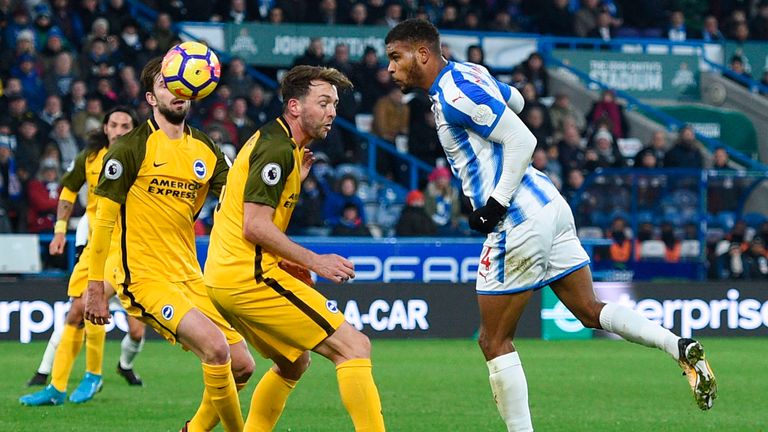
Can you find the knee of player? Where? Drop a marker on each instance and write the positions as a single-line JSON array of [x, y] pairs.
[[136, 333], [493, 346], [360, 346], [242, 369], [217, 352]]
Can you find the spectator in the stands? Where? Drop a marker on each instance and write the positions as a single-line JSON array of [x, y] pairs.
[[502, 22], [757, 258], [118, 12], [368, 89], [151, 50], [423, 142], [43, 197], [561, 110], [326, 13], [550, 166], [393, 14], [131, 42], [449, 20], [58, 81], [676, 30], [18, 111], [472, 21], [711, 32], [390, 115], [358, 14], [414, 220], [218, 118], [29, 147], [447, 51], [51, 111], [657, 146], [741, 33], [608, 109], [314, 55], [672, 244], [218, 136], [603, 152], [76, 101], [258, 108], [557, 19], [69, 21], [758, 26], [350, 223], [720, 159], [476, 55], [68, 145], [737, 66], [585, 19], [89, 119], [442, 202], [87, 12], [335, 201], [604, 28], [536, 73], [236, 12], [309, 207], [620, 250], [729, 253], [535, 119], [31, 81], [54, 45], [238, 113], [646, 159], [11, 187], [163, 31], [685, 152], [131, 94], [571, 150], [237, 78], [531, 98]]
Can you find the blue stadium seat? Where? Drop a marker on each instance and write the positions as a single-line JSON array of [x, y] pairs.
[[726, 220], [754, 220]]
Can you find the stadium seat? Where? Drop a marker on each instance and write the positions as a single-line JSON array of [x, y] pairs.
[[690, 249], [726, 220], [652, 250], [590, 232], [754, 219]]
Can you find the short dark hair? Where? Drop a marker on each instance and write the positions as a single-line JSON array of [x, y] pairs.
[[148, 74], [297, 81], [97, 139], [415, 30]]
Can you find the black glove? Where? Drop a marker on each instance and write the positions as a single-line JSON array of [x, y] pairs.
[[487, 217]]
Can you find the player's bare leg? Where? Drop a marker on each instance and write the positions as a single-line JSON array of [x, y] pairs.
[[203, 337], [499, 315], [206, 417], [577, 293], [350, 351], [268, 400]]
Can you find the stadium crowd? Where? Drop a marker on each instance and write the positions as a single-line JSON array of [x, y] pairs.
[[66, 62]]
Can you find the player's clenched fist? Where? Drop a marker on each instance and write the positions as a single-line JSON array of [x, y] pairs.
[[335, 268]]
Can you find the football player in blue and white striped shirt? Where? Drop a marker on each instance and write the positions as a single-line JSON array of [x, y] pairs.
[[532, 238]]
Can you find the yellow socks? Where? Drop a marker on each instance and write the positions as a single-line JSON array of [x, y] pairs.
[[66, 353], [206, 418], [94, 347], [359, 395], [220, 386], [268, 401]]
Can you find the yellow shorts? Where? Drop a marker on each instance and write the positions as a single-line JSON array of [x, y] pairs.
[[162, 305], [280, 316], [78, 281]]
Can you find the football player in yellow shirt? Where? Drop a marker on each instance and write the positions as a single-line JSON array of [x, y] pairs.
[[280, 315], [155, 180], [86, 168]]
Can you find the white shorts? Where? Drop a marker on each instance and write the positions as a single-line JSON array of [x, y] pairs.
[[529, 256]]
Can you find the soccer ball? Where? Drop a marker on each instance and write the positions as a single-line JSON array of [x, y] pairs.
[[191, 70]]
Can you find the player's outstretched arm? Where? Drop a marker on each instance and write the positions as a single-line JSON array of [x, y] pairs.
[[96, 309], [259, 229]]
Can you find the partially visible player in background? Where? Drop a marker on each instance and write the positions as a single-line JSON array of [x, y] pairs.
[[279, 314], [85, 170], [154, 182], [532, 238]]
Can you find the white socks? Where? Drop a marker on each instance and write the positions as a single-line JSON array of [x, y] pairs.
[[129, 349], [46, 364], [635, 328], [510, 391]]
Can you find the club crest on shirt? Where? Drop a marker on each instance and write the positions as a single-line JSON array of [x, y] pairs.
[[167, 312], [332, 306], [271, 173], [113, 169], [483, 115], [200, 169]]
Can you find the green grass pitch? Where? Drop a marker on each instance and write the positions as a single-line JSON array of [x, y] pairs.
[[426, 385]]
